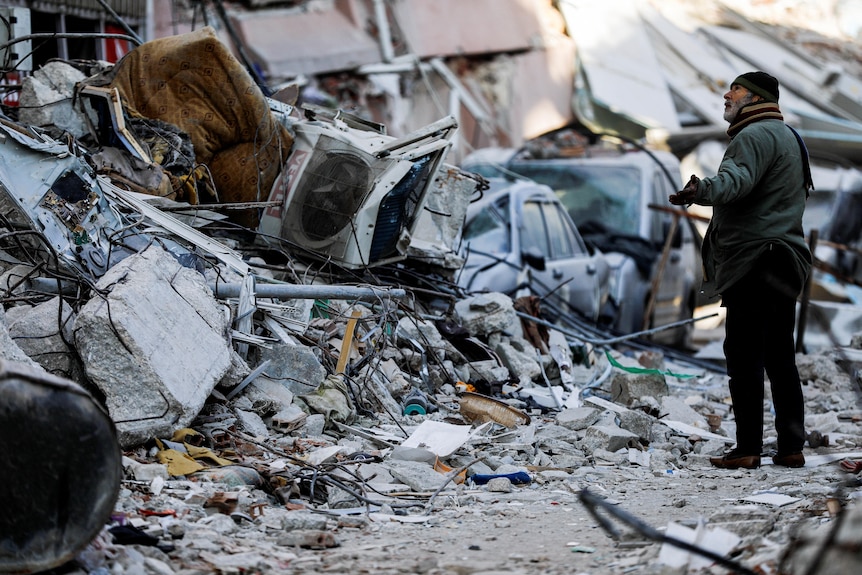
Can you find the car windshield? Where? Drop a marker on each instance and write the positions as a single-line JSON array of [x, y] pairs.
[[606, 196], [488, 231]]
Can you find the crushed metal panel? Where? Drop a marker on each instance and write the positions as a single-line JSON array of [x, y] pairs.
[[289, 43], [697, 73], [56, 193], [452, 27], [438, 232], [47, 188], [618, 63]]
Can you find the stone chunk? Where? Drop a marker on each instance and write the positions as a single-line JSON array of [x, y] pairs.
[[488, 313], [36, 331], [419, 476], [626, 388], [606, 437], [154, 343], [638, 423], [9, 350], [675, 409], [47, 96], [578, 418], [302, 520], [426, 334], [293, 366], [520, 358]]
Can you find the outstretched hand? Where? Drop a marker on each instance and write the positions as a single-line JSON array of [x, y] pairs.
[[685, 197]]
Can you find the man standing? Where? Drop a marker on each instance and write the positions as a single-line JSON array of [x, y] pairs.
[[756, 258]]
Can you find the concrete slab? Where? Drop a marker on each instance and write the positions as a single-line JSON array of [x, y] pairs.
[[155, 343]]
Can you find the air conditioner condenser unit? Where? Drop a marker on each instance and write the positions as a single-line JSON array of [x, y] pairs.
[[354, 194]]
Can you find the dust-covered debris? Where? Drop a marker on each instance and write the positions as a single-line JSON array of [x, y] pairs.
[[265, 432]]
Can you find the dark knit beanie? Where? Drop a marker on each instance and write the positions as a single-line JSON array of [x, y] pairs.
[[759, 83]]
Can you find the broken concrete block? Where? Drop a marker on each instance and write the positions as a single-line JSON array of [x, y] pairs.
[[337, 498], [487, 370], [299, 520], [36, 330], [314, 425], [676, 409], [266, 389], [308, 539], [14, 277], [829, 547], [606, 437], [578, 418], [613, 457], [47, 99], [146, 471], [379, 392], [520, 357], [251, 423], [425, 334], [374, 473], [637, 422], [293, 366], [626, 388], [238, 371], [9, 350], [746, 520], [499, 485], [488, 313], [419, 476], [154, 342], [823, 422], [289, 418]]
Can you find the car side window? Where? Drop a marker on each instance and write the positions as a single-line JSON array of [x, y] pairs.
[[547, 228], [533, 234], [489, 230], [564, 241]]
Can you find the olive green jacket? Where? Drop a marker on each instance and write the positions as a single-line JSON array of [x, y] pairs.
[[758, 197]]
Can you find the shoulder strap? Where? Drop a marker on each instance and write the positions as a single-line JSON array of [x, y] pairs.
[[806, 166]]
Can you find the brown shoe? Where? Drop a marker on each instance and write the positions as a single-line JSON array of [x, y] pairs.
[[789, 460], [735, 461]]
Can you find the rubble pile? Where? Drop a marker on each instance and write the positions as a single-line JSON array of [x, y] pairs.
[[303, 456], [273, 406]]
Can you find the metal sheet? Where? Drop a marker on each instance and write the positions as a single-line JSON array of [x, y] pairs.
[[619, 62]]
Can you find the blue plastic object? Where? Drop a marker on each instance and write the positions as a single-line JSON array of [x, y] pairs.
[[517, 478]]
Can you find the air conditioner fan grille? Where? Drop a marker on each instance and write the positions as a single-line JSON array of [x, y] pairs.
[[331, 192]]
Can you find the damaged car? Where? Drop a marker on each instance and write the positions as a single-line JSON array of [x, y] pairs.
[[612, 193], [519, 240]]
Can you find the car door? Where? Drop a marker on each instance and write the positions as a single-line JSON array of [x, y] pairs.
[[672, 297], [575, 279]]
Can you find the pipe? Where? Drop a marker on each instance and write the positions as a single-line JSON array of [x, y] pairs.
[[120, 21], [302, 291], [279, 291]]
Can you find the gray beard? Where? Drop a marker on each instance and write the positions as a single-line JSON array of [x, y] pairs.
[[730, 113]]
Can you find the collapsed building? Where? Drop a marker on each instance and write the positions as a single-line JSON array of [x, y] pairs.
[[317, 321]]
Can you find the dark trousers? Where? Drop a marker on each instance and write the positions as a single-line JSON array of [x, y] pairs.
[[759, 336]]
